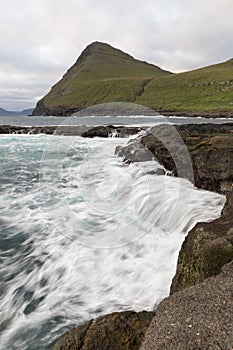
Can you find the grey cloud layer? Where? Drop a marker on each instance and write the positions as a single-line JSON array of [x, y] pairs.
[[40, 39]]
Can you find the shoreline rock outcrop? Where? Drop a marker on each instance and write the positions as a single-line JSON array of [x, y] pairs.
[[206, 249], [73, 130], [197, 318], [199, 313], [119, 330]]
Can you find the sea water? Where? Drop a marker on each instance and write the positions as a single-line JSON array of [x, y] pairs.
[[82, 234], [136, 120]]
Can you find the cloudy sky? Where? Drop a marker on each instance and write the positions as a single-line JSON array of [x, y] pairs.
[[41, 39]]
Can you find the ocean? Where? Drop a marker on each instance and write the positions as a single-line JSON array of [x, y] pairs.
[[82, 234], [109, 120]]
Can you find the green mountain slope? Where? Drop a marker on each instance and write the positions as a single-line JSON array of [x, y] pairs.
[[104, 74], [208, 89], [101, 74]]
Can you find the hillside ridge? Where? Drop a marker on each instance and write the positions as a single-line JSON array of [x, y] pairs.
[[103, 74]]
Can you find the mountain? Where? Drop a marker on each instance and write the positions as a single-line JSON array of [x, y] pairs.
[[101, 74], [5, 113], [204, 90], [104, 74]]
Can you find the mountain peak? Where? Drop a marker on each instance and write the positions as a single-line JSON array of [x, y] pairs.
[[101, 74], [98, 50]]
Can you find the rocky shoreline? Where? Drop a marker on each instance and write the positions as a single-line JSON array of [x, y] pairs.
[[73, 130], [199, 312], [201, 316]]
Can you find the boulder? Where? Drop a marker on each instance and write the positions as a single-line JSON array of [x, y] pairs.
[[205, 250], [117, 331], [111, 131], [197, 318]]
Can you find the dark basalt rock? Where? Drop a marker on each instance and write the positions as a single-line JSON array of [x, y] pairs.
[[110, 130], [61, 111], [197, 318], [117, 331], [134, 152], [72, 130], [201, 153], [8, 129], [205, 250]]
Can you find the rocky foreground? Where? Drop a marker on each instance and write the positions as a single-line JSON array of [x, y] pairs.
[[199, 313]]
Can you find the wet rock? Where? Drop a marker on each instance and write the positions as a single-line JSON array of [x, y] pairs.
[[117, 331], [134, 152], [205, 250], [8, 129], [73, 130], [111, 131], [197, 318], [203, 154]]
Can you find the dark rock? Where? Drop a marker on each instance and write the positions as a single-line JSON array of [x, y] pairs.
[[197, 318], [73, 130], [60, 111], [111, 131], [117, 331], [205, 250], [134, 152], [200, 153], [190, 114], [8, 129]]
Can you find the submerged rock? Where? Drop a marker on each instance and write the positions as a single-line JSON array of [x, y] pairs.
[[117, 331], [199, 317]]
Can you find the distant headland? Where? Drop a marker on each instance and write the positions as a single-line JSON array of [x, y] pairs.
[[104, 74]]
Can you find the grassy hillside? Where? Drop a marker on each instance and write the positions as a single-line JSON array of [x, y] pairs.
[[104, 74], [101, 74], [207, 89]]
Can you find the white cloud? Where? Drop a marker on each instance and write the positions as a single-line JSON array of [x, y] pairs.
[[40, 39]]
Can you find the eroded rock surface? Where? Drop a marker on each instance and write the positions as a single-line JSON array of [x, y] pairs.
[[117, 331], [201, 153], [205, 250], [196, 318]]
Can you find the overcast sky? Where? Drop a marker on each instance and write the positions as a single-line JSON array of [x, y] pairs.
[[41, 39]]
